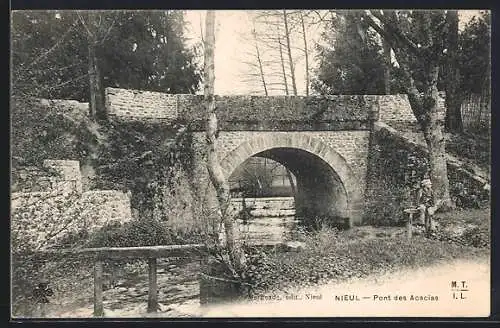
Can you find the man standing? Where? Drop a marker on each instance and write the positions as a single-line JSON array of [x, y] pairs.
[[425, 203]]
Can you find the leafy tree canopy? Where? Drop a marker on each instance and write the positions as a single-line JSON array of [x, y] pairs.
[[350, 63], [351, 55], [139, 49]]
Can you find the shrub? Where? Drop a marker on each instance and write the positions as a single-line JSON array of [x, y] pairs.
[[40, 132], [25, 273], [476, 237], [138, 232]]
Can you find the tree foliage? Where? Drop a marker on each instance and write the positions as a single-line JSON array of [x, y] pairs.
[[418, 39], [351, 62], [48, 55], [39, 132], [350, 58], [136, 49], [148, 52], [475, 55]]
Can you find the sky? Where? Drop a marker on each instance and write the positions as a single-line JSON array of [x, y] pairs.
[[231, 51], [232, 47]]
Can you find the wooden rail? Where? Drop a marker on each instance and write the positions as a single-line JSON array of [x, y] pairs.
[[151, 253]]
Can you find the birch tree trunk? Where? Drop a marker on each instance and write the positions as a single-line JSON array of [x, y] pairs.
[[387, 66], [215, 172], [96, 103]]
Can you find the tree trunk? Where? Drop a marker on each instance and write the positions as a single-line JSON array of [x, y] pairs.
[[261, 69], [96, 103], [453, 120], [214, 169], [434, 138], [387, 66], [306, 52], [289, 51], [282, 60], [424, 107]]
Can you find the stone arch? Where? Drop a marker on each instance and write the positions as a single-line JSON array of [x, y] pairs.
[[305, 143]]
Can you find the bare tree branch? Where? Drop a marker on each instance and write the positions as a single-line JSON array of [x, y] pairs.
[[45, 54], [84, 24], [392, 31]]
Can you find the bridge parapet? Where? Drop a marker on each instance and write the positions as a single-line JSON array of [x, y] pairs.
[[271, 113], [265, 113]]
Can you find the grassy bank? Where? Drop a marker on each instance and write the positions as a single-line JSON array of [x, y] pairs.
[[330, 255]]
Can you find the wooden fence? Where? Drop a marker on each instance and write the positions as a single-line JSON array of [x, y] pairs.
[[151, 253]]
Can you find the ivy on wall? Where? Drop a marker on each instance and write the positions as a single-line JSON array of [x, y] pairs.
[[139, 157], [395, 171], [394, 176], [41, 132], [143, 158]]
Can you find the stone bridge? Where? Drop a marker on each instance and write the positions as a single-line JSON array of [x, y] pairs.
[[323, 140]]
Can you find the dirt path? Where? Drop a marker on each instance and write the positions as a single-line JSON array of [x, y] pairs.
[[386, 295]]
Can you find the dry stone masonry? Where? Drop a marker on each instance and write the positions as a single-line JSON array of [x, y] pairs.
[[49, 204], [54, 175], [323, 140], [135, 104], [264, 206]]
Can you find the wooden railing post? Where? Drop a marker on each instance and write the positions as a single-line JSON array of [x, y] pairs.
[[409, 226], [205, 285], [153, 286], [100, 254], [98, 282]]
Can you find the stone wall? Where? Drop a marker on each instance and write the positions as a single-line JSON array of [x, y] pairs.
[[50, 204], [319, 125], [316, 159], [105, 206], [247, 110], [30, 178], [272, 113], [70, 108], [265, 206], [62, 175], [395, 110], [69, 172], [392, 183], [351, 145], [139, 105]]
